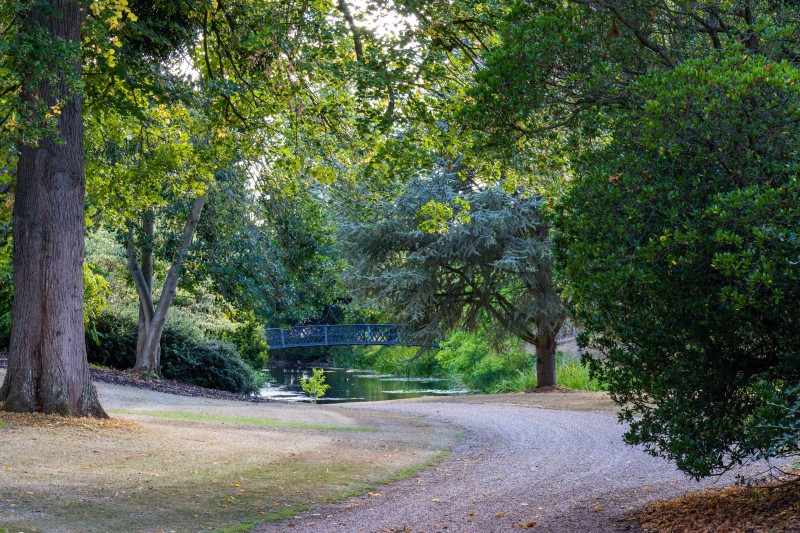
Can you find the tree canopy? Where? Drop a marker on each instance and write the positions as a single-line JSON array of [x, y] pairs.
[[450, 251], [675, 231]]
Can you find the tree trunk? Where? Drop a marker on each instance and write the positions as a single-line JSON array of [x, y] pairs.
[[148, 359], [549, 319], [47, 366], [545, 356], [146, 314]]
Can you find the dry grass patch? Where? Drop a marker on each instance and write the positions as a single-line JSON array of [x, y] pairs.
[[558, 398], [772, 507], [176, 465]]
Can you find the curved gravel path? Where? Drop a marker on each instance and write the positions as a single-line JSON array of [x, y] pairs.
[[562, 470]]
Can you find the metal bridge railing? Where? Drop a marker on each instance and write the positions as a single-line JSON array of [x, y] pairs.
[[341, 335], [358, 334]]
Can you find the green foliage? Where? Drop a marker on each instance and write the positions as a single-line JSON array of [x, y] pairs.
[[472, 358], [251, 343], [451, 250], [187, 354], [573, 374], [96, 292], [112, 341], [391, 360], [207, 363], [315, 385], [435, 217], [6, 293], [779, 413], [268, 254], [689, 284]]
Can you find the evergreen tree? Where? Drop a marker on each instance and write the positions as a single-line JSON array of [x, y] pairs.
[[451, 250]]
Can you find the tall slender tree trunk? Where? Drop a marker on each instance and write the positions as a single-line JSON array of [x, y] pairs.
[[47, 367], [548, 321], [148, 352], [145, 314]]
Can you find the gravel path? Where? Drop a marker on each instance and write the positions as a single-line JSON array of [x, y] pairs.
[[562, 470]]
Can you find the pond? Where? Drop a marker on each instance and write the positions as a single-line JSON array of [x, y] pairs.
[[349, 385]]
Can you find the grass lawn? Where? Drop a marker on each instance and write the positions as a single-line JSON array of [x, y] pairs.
[[172, 463]]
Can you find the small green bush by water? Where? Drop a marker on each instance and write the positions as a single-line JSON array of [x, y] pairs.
[[251, 343], [315, 386]]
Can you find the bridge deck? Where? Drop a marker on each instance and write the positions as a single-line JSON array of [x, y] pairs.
[[341, 335]]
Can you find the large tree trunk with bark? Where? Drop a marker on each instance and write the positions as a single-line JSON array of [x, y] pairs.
[[152, 318], [47, 367], [545, 345]]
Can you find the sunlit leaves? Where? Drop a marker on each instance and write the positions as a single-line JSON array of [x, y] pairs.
[[135, 165]]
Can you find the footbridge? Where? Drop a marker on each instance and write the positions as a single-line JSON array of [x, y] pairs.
[[341, 335]]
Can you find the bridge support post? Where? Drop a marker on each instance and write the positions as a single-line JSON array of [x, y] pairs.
[[326, 335], [283, 341]]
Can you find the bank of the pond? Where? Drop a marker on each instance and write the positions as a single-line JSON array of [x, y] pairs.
[[354, 385], [374, 373]]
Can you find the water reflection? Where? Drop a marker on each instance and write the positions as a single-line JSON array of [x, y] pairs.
[[355, 386]]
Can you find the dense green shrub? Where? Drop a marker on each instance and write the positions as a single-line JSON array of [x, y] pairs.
[[680, 241], [187, 355], [213, 364], [111, 339], [251, 343]]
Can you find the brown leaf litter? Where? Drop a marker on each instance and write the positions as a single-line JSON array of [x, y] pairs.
[[773, 507]]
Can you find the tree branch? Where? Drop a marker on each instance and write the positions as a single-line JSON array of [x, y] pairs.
[[354, 30], [145, 297]]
